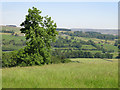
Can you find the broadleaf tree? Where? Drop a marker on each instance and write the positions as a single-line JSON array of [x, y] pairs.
[[40, 32]]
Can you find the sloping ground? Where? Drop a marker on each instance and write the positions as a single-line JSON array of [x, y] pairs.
[[7, 28], [103, 31], [5, 33], [0, 78], [88, 47], [93, 73]]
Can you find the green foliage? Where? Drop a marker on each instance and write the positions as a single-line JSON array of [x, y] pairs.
[[117, 42], [9, 59], [106, 55], [80, 54], [109, 47], [56, 60], [10, 42], [91, 35], [20, 58], [88, 47], [40, 33]]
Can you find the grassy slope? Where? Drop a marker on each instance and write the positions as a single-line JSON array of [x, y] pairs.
[[106, 46], [94, 39], [17, 40], [88, 47], [12, 37], [110, 47], [90, 73], [0, 79], [7, 28]]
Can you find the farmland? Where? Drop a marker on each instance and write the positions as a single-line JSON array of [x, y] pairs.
[[89, 73], [7, 28], [67, 41], [11, 42], [82, 72], [64, 45]]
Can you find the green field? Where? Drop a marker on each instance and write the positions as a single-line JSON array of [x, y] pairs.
[[15, 29], [11, 42], [80, 73], [94, 39], [12, 37], [89, 73], [19, 40], [89, 47], [0, 79]]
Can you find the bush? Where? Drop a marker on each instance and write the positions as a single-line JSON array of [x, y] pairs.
[[65, 60], [18, 58], [9, 59], [56, 60]]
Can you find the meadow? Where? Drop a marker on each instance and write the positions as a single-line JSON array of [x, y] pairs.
[[8, 28], [80, 73], [11, 42], [0, 78], [88, 73]]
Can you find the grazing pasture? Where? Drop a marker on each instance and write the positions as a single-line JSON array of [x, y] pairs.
[[0, 77], [87, 73], [80, 73], [7, 28]]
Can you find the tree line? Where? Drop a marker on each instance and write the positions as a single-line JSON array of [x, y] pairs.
[[91, 35], [80, 54], [72, 43]]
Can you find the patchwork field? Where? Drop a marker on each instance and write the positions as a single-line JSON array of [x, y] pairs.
[[88, 73], [80, 73]]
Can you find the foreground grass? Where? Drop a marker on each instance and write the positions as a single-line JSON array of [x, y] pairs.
[[91, 73], [0, 79]]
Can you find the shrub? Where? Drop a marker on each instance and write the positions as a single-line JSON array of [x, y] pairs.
[[9, 59]]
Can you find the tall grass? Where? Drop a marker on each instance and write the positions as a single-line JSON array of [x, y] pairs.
[[0, 78], [96, 74]]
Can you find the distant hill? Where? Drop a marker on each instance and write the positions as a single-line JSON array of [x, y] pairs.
[[11, 28], [103, 31], [11, 25], [63, 29], [17, 29]]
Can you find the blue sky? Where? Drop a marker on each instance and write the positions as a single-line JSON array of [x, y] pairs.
[[66, 14]]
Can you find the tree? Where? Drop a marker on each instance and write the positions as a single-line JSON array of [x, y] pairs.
[[98, 55], [116, 43], [40, 32]]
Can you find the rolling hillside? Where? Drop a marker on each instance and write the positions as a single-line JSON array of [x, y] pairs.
[[64, 43], [103, 31], [88, 73]]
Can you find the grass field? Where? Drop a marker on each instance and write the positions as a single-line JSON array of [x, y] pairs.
[[88, 47], [109, 47], [0, 79], [7, 28], [12, 37], [95, 40], [5, 33], [89, 73]]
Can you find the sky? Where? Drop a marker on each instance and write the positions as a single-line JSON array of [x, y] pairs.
[[95, 15]]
